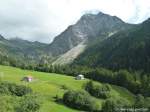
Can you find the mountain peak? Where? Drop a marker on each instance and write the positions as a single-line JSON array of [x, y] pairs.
[[100, 14], [104, 18], [87, 29], [1, 37], [17, 39], [147, 21], [93, 14], [88, 15]]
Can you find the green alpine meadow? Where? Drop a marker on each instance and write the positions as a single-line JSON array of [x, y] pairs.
[[48, 90]]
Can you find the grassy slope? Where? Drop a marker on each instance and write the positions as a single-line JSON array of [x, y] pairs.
[[48, 85]]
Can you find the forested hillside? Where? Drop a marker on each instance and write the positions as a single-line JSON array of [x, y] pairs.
[[124, 50]]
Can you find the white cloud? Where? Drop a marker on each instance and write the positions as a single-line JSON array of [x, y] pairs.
[[42, 20]]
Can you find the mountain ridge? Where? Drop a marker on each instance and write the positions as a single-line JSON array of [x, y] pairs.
[[123, 50], [87, 29]]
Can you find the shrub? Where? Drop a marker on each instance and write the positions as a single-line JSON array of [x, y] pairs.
[[20, 90], [142, 102], [99, 91], [29, 103], [4, 89], [112, 105], [6, 103], [13, 89], [80, 100]]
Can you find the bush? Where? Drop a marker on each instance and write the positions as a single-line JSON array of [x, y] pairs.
[[10, 96], [112, 105], [29, 103], [20, 90], [80, 100], [13, 89], [4, 88], [142, 102], [108, 106], [99, 91], [6, 103]]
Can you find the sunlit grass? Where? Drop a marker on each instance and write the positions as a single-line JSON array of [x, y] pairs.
[[48, 85]]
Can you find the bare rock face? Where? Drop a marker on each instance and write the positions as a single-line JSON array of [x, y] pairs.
[[87, 29]]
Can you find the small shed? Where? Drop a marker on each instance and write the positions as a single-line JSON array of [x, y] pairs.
[[28, 79], [80, 77]]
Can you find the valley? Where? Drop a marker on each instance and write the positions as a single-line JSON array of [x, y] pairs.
[[47, 85]]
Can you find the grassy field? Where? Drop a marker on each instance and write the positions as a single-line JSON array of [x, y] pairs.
[[48, 85]]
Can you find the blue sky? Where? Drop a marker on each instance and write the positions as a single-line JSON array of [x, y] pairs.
[[42, 20]]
